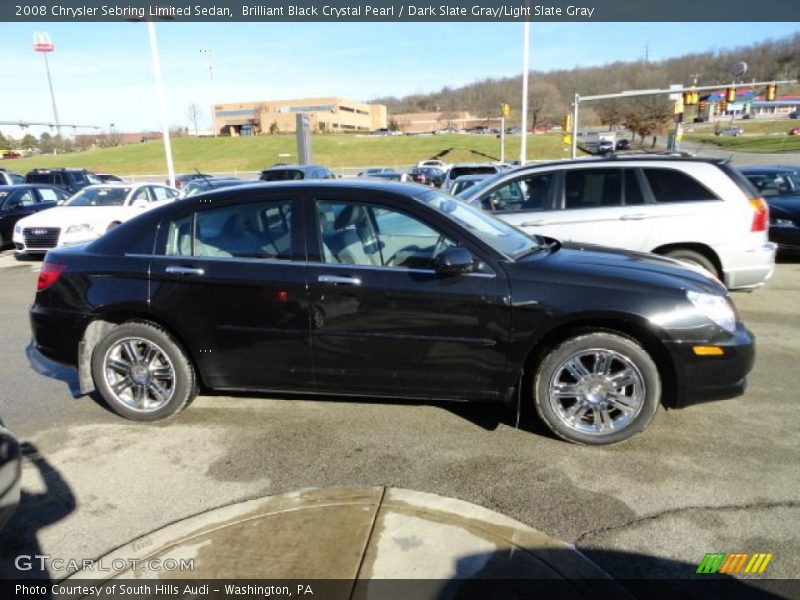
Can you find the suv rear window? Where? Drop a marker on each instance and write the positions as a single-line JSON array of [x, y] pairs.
[[281, 175], [670, 185], [40, 178], [459, 171], [592, 188]]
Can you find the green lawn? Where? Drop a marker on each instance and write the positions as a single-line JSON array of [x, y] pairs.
[[750, 126], [228, 154], [753, 143]]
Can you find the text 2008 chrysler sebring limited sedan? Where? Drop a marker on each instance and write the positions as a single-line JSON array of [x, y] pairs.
[[383, 290]]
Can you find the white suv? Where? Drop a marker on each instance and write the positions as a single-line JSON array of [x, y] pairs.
[[694, 210]]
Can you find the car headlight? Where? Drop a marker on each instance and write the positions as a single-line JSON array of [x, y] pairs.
[[79, 228], [783, 223], [717, 308]]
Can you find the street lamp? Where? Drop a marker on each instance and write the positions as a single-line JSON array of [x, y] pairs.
[[43, 44], [207, 52], [160, 97], [526, 51]]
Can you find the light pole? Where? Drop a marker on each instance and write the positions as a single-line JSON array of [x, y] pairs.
[[43, 44], [207, 52], [160, 98], [526, 50]]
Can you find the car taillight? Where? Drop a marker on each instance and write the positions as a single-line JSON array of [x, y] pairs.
[[49, 275], [760, 216]]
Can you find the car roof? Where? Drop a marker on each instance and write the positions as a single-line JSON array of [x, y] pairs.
[[292, 167], [476, 176], [18, 186], [622, 158], [762, 168]]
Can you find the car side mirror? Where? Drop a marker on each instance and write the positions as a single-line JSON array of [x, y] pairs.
[[454, 261]]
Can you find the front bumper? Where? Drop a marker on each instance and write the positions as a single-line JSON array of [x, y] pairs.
[[707, 378]]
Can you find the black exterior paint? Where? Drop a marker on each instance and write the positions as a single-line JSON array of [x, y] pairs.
[[271, 325]]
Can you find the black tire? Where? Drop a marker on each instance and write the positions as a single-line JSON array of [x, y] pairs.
[[181, 389], [554, 412], [693, 258], [112, 226]]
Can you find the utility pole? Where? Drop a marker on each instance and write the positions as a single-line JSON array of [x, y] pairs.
[[160, 98], [43, 44], [526, 50], [207, 52]]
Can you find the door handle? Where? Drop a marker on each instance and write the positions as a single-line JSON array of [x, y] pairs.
[[533, 223], [633, 217], [184, 270], [339, 280]]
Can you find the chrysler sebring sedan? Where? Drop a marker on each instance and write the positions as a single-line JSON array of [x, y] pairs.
[[380, 289]]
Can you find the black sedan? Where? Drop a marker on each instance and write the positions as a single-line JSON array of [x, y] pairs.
[[780, 187], [378, 289], [18, 201], [427, 176], [10, 474]]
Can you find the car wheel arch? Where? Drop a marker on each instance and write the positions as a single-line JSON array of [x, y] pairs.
[[629, 326], [702, 249], [100, 326]]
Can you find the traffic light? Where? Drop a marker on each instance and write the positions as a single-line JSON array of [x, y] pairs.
[[772, 89], [701, 108], [566, 122], [690, 98], [730, 94], [506, 110], [723, 105]]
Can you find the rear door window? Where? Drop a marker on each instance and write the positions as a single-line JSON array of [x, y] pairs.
[[530, 193], [592, 188], [671, 185], [633, 191]]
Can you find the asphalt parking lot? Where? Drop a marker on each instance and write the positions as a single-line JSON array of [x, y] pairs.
[[718, 477]]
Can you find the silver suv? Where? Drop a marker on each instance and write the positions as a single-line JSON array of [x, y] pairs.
[[697, 211]]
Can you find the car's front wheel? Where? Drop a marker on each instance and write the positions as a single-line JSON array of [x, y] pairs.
[[142, 373], [597, 388]]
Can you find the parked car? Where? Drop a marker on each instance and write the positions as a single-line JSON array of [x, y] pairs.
[[386, 131], [181, 180], [699, 211], [9, 178], [780, 187], [198, 186], [20, 201], [794, 131], [604, 146], [435, 163], [795, 114], [107, 178], [296, 172], [427, 176], [459, 170], [465, 181], [733, 131], [373, 171], [10, 474], [368, 288], [72, 180], [87, 215], [514, 129]]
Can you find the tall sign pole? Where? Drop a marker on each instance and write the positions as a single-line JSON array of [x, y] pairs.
[[43, 44], [207, 52], [526, 51], [160, 98]]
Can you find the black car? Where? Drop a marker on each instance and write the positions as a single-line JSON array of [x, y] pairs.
[[107, 177], [181, 180], [378, 289], [10, 178], [18, 201], [780, 187], [623, 144], [71, 180], [295, 173], [427, 176], [10, 474], [198, 186]]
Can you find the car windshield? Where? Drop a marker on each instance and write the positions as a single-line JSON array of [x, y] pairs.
[[502, 237], [281, 175], [99, 196], [476, 189]]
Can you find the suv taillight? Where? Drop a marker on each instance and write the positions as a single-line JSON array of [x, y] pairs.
[[760, 215], [49, 275]]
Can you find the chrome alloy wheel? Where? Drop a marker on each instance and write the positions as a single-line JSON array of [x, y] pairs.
[[597, 391], [139, 374]]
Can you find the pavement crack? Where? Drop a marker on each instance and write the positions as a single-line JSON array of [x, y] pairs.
[[687, 509]]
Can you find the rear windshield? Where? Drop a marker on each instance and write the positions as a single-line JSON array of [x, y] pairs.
[[459, 171], [740, 180], [40, 177], [100, 196], [281, 175]]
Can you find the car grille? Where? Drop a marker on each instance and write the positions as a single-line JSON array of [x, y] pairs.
[[41, 237]]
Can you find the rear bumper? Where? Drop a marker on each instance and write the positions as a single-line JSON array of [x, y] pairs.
[[750, 267], [707, 378], [57, 333]]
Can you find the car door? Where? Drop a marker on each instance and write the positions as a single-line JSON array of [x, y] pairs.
[[383, 321], [231, 281], [16, 205]]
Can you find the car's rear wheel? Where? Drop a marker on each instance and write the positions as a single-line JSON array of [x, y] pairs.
[[690, 257], [142, 373], [597, 388]]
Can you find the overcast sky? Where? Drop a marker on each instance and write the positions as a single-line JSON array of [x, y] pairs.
[[102, 72]]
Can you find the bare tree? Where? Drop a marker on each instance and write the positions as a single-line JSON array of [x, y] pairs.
[[194, 113], [544, 102]]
